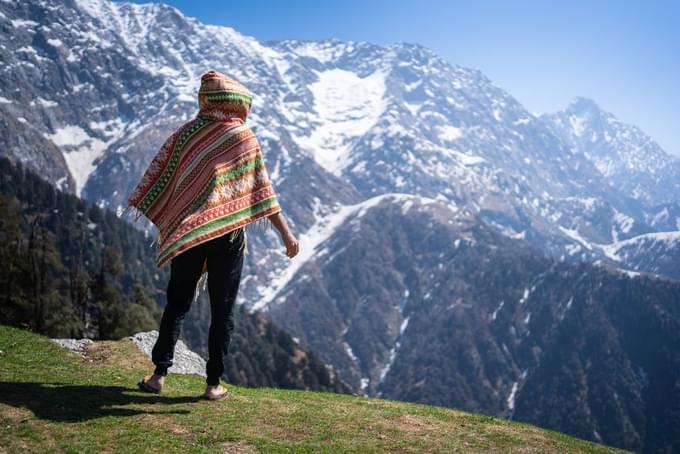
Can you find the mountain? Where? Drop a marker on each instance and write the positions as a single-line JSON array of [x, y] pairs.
[[388, 160], [628, 159], [119, 77]]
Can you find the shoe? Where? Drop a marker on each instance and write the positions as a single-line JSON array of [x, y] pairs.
[[215, 396], [146, 387]]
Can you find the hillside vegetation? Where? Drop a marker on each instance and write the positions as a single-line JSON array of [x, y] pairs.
[[54, 400]]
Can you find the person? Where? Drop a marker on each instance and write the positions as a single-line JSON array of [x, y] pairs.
[[204, 186]]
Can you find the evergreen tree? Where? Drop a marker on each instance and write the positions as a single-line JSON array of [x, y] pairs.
[[142, 313], [108, 304], [79, 289], [15, 308], [42, 259]]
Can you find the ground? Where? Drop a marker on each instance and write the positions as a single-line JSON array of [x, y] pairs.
[[53, 400]]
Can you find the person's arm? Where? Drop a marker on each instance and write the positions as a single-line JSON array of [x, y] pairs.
[[289, 240]]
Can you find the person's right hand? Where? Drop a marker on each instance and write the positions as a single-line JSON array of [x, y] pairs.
[[292, 245]]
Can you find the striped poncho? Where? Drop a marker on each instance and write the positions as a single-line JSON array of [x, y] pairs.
[[209, 178]]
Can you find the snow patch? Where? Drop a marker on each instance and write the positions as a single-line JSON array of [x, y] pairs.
[[413, 108], [54, 42], [403, 326], [347, 106], [629, 273], [525, 295], [625, 222], [522, 121], [45, 102], [393, 355], [350, 352], [495, 312], [577, 125], [574, 235], [21, 23], [323, 52], [80, 152], [466, 159], [615, 249], [511, 397], [450, 133], [364, 383]]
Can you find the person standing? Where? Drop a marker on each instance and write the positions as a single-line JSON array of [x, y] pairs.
[[205, 185]]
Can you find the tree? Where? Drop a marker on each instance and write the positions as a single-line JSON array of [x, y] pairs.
[[78, 287], [15, 309], [142, 313], [108, 304], [51, 312]]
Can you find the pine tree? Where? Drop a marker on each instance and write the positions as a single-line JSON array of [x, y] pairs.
[[51, 312], [108, 304], [142, 313], [15, 308], [78, 287]]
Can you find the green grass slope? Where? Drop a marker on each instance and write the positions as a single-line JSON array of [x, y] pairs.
[[53, 400]]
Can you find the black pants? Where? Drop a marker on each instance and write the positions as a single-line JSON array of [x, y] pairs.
[[225, 261]]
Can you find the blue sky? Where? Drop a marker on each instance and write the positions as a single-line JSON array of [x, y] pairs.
[[623, 54]]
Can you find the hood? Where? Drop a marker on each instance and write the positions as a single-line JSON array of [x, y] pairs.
[[221, 97]]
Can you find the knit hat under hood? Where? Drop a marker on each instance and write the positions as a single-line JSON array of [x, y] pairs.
[[223, 97]]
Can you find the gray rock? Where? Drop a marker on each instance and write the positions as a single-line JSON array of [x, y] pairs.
[[75, 345], [185, 361]]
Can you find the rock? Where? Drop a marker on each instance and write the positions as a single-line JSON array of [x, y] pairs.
[[185, 361], [75, 345]]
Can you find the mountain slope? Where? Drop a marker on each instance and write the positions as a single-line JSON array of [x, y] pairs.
[[445, 310], [51, 399]]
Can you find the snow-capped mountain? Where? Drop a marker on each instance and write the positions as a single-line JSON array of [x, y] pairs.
[[628, 159], [102, 84], [423, 194]]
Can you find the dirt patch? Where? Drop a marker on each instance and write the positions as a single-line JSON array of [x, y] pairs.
[[237, 447], [177, 430], [293, 433], [123, 354], [417, 425], [10, 415]]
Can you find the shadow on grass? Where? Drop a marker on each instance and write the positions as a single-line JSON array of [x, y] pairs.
[[73, 403]]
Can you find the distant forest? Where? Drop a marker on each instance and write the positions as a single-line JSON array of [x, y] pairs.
[[69, 268]]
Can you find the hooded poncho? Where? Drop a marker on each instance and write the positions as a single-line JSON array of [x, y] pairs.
[[209, 178]]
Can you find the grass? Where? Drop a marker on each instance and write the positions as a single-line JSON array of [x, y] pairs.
[[53, 400]]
